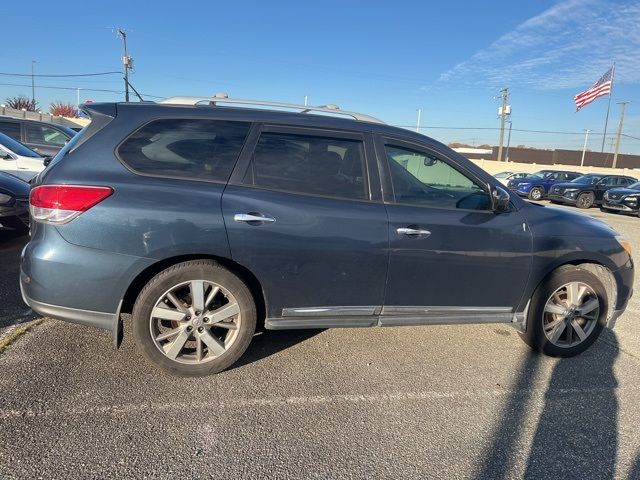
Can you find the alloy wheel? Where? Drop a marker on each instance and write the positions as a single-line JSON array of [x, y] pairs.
[[570, 314], [195, 322], [536, 194]]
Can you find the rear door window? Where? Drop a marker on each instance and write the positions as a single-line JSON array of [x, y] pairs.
[[197, 149], [309, 164], [11, 129], [43, 135]]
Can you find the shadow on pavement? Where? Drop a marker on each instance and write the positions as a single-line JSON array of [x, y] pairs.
[[576, 434], [269, 342]]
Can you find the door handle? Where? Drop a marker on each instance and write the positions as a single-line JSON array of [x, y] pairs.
[[413, 232], [253, 217]]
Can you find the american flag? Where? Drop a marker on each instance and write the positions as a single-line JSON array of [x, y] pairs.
[[599, 89]]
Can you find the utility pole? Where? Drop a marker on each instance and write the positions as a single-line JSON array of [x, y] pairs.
[[33, 84], [78, 99], [502, 112], [615, 155], [419, 110], [127, 62], [584, 148], [306, 100]]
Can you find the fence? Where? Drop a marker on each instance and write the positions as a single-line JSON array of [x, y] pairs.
[[42, 117]]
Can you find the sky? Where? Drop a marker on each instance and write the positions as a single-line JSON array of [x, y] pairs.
[[388, 59]]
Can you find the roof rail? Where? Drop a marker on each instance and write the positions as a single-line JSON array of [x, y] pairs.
[[224, 98]]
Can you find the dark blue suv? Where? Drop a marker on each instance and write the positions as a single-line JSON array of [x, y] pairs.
[[537, 185], [206, 222]]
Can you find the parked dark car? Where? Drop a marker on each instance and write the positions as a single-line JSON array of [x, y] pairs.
[[588, 190], [623, 200], [42, 137], [205, 221], [536, 186], [14, 202]]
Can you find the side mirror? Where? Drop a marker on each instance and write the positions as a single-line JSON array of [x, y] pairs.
[[47, 161], [500, 199], [430, 161]]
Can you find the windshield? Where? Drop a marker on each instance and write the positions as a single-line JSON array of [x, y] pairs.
[[16, 147], [634, 186], [502, 174], [540, 174], [588, 179]]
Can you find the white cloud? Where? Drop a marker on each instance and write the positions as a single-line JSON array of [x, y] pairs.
[[570, 45]]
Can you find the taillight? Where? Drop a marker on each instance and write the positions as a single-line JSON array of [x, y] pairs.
[[58, 204]]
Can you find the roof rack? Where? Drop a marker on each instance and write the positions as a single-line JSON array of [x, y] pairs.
[[224, 98]]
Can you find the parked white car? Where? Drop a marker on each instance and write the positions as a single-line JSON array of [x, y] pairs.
[[19, 160], [504, 177]]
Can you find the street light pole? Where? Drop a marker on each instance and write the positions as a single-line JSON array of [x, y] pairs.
[[33, 84], [418, 121], [615, 155], [584, 148], [508, 141]]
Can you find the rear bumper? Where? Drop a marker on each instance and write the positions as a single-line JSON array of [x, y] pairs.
[[106, 321], [73, 283], [561, 199]]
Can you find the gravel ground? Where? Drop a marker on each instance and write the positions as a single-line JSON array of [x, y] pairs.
[[426, 402]]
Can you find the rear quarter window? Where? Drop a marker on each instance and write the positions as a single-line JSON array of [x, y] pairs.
[[197, 149]]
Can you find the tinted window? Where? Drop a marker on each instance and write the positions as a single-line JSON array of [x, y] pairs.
[[45, 135], [625, 181], [309, 164], [16, 147], [421, 178], [187, 148], [608, 181], [11, 129]]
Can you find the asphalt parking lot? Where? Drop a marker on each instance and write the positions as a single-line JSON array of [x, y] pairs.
[[425, 402]]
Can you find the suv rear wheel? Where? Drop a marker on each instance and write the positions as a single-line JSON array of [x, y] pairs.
[[568, 312], [195, 318]]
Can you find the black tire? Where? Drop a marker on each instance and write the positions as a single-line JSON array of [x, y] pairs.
[[207, 270], [535, 336], [585, 200], [536, 194], [14, 223]]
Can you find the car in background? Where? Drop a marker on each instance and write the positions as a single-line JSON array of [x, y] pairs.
[[42, 137], [623, 199], [536, 186], [19, 160], [505, 177], [588, 190], [14, 202]]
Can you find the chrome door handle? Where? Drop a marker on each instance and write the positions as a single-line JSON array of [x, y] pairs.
[[253, 217], [412, 232]]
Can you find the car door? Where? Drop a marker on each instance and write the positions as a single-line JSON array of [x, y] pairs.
[[452, 258], [303, 213], [29, 167], [8, 162], [45, 140], [603, 185]]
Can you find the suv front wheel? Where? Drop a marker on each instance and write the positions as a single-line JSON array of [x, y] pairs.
[[568, 312], [194, 318]]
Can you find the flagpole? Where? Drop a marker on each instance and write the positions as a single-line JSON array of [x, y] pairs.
[[606, 121]]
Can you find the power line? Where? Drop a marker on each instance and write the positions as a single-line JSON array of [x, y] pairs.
[[58, 76], [76, 88]]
